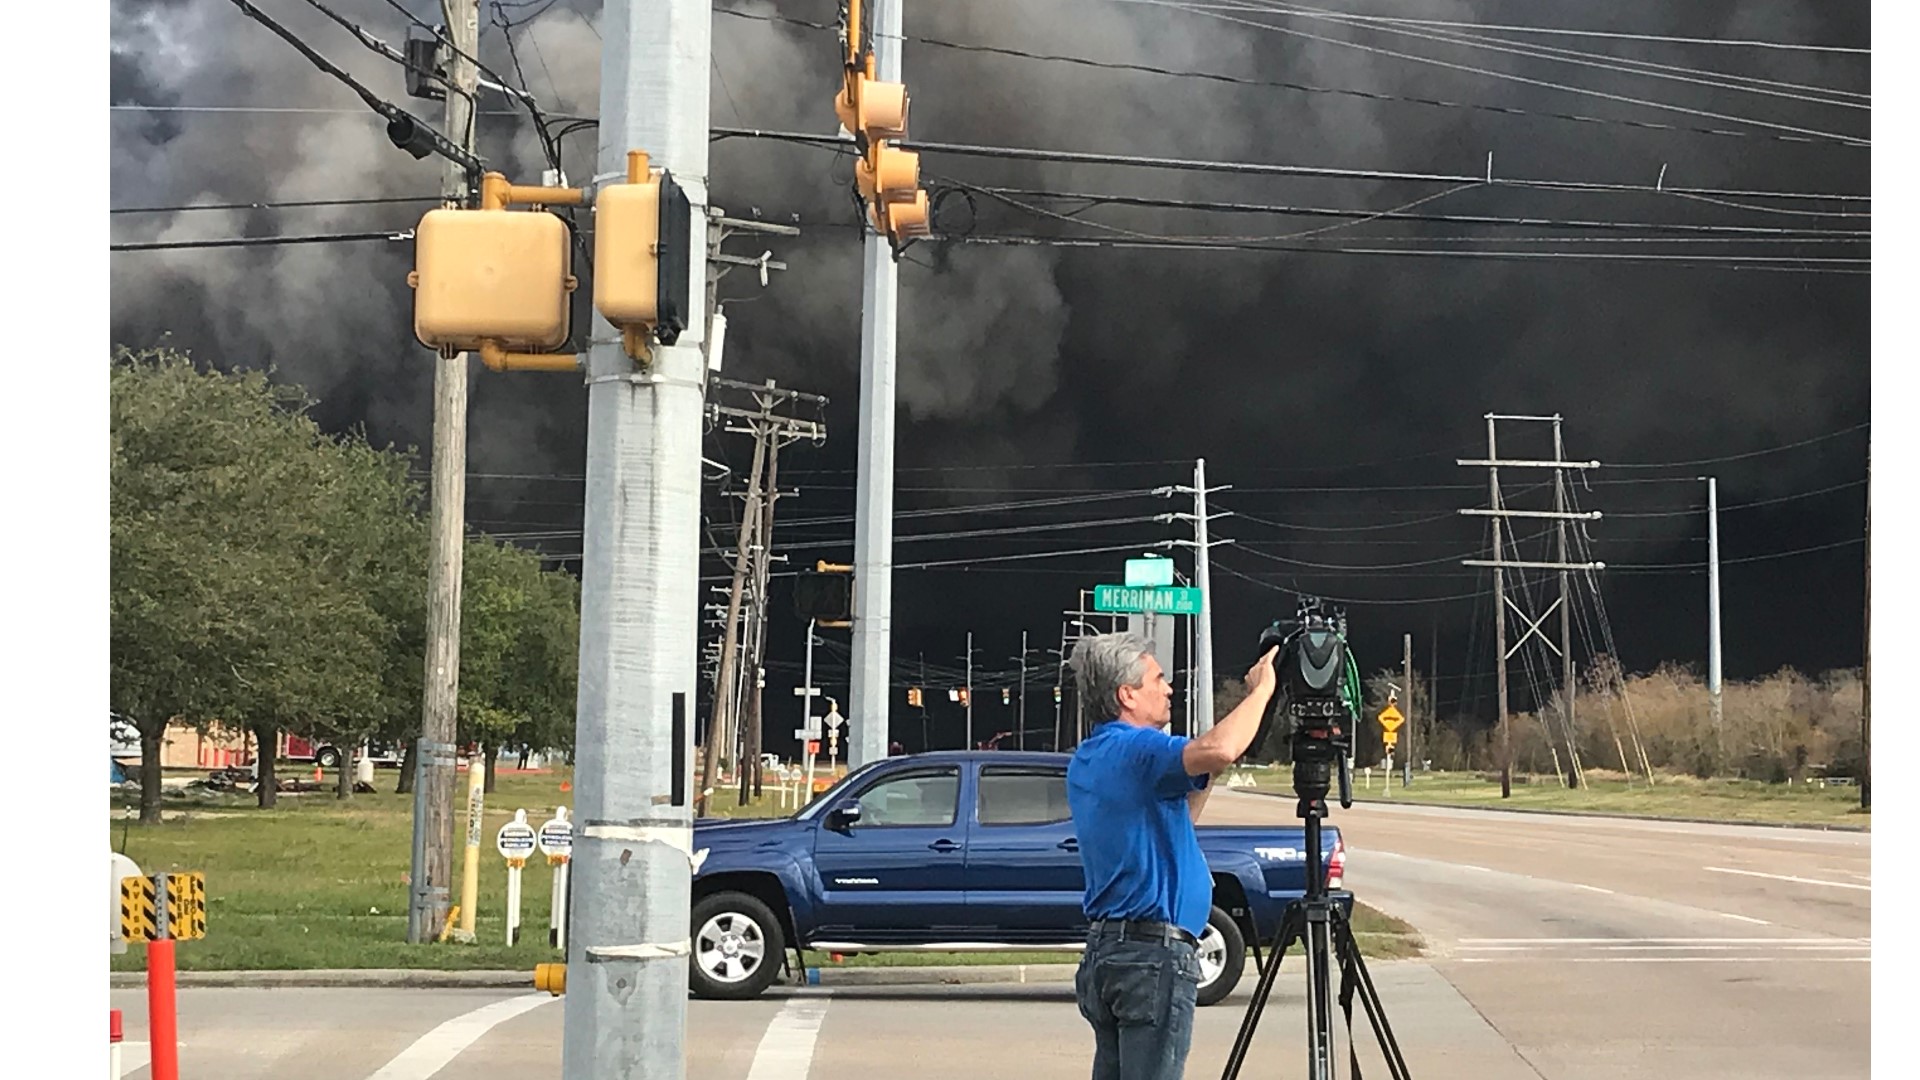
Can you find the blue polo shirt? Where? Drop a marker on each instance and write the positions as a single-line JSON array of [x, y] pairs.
[[1127, 791]]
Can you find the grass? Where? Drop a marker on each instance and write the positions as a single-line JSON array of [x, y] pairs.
[[320, 883], [1610, 793]]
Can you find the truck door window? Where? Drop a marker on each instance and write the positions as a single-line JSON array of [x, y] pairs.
[[1013, 796], [926, 799]]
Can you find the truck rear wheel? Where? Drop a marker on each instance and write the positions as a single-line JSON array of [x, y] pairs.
[[1222, 955], [737, 947]]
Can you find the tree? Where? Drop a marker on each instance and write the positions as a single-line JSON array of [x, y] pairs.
[[246, 550], [519, 647]]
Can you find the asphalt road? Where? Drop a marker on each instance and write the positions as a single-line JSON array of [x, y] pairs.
[[1566, 948]]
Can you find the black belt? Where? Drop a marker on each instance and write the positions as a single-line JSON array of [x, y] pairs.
[[1141, 930]]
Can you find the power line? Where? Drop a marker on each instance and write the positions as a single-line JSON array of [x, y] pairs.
[[1781, 263], [1347, 599], [1775, 501], [1647, 567], [1658, 38], [1862, 426], [289, 205], [271, 110], [1072, 157], [394, 114], [263, 241], [1602, 61], [1137, 238], [1506, 76], [1279, 84], [1102, 198]]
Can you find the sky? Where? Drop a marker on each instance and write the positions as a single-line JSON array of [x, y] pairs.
[[1333, 386]]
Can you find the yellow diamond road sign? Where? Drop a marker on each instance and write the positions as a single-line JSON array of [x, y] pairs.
[[1390, 719]]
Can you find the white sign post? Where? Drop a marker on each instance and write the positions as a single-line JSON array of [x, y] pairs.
[[833, 721], [515, 842], [556, 843]]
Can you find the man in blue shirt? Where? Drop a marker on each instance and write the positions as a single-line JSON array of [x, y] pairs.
[[1135, 792]]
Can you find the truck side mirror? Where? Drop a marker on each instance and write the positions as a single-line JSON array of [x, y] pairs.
[[844, 818]]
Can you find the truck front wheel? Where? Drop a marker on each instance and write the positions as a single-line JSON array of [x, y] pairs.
[[1222, 955], [736, 948]]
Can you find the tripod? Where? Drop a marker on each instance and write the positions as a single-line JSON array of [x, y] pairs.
[[1319, 924]]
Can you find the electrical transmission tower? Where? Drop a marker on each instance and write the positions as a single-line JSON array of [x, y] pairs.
[[734, 722]]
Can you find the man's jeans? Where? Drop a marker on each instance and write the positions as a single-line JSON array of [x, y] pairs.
[[1138, 995]]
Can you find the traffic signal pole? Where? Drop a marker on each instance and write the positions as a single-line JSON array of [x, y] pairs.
[[628, 941], [873, 498]]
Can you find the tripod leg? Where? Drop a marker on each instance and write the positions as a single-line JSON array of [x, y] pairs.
[[1369, 998], [1319, 996], [1292, 929]]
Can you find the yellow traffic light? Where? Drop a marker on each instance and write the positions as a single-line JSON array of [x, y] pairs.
[[494, 281], [491, 276], [642, 245], [888, 174], [906, 220]]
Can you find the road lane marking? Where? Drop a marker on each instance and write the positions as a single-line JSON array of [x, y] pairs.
[[786, 1050], [1789, 877], [1590, 888], [1743, 918], [1667, 959], [1654, 941], [1833, 947], [433, 1051]]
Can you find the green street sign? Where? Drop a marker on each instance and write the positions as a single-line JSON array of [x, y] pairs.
[[1163, 600], [1150, 573]]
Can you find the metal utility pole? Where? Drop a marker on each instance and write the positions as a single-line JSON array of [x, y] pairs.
[[1866, 642], [627, 948], [1020, 739], [808, 744], [1202, 580], [1406, 677], [1498, 511], [873, 497], [970, 736], [1713, 614], [431, 870]]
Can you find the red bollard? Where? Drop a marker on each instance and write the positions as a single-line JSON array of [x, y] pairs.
[[113, 1044], [163, 1029]]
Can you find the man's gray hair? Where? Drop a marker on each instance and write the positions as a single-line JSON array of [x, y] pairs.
[[1102, 664]]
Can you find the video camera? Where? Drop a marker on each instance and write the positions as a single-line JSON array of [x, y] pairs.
[[1316, 696]]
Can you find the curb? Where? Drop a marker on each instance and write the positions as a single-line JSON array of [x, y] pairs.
[[1812, 825], [406, 979], [409, 979], [365, 978]]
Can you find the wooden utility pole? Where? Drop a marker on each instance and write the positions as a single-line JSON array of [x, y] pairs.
[[717, 719], [755, 667], [740, 649], [1566, 610], [432, 862]]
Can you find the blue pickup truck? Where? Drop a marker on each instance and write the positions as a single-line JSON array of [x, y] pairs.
[[954, 851]]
